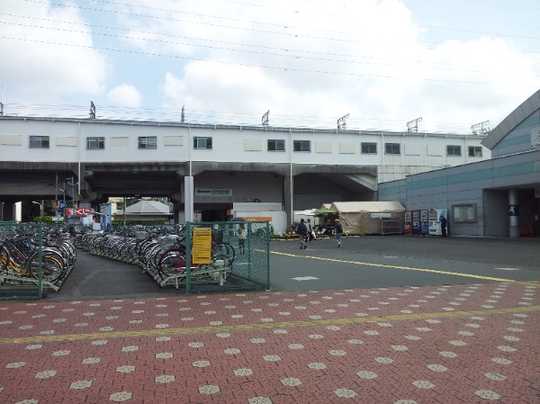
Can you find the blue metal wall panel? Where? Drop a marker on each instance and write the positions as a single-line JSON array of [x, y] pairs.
[[519, 139]]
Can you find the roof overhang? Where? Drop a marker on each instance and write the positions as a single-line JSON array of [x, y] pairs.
[[517, 116]]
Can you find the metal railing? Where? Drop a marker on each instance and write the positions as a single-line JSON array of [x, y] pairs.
[[21, 260], [218, 256], [237, 255]]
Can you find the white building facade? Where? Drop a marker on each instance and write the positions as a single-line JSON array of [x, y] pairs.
[[300, 168]]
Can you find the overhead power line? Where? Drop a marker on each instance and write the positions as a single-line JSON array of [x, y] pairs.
[[184, 12], [171, 18], [296, 53], [287, 30], [304, 121], [286, 33], [212, 47], [472, 31], [267, 67]]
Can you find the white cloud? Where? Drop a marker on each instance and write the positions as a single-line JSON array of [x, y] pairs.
[[36, 71], [378, 65], [125, 95], [309, 62]]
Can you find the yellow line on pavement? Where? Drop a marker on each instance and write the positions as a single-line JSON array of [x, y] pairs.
[[264, 326], [397, 267]]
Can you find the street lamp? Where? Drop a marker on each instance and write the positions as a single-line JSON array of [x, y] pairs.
[[71, 183], [41, 207]]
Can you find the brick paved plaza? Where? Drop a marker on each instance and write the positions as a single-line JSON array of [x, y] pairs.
[[438, 344]]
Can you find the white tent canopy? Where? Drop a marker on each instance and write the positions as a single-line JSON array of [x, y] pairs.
[[382, 217], [368, 207], [148, 208]]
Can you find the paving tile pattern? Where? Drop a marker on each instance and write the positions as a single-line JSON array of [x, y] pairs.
[[247, 348]]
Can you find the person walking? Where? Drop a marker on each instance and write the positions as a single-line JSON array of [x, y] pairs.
[[310, 236], [443, 222], [339, 232], [302, 232], [242, 236]]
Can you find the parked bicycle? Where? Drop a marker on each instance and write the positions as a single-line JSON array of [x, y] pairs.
[[29, 254], [159, 251]]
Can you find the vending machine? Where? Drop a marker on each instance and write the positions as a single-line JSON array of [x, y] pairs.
[[416, 224], [424, 220], [407, 228], [435, 215]]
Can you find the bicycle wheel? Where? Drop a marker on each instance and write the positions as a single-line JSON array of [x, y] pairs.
[[50, 262], [225, 252], [171, 262]]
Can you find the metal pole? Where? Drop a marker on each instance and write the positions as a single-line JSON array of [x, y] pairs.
[[188, 238], [124, 211], [79, 165], [291, 191], [249, 245], [56, 188], [41, 264], [190, 145], [268, 237], [189, 186], [291, 178], [72, 186]]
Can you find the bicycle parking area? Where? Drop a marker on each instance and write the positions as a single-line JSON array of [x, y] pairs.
[[235, 255], [38, 258], [34, 258]]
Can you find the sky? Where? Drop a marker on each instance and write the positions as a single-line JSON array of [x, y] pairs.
[[384, 62]]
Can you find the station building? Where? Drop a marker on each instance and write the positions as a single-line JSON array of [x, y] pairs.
[[90, 160], [497, 197]]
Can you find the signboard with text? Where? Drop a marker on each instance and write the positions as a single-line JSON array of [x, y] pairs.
[[381, 215], [257, 218], [201, 251]]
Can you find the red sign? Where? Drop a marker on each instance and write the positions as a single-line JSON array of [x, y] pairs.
[[84, 211]]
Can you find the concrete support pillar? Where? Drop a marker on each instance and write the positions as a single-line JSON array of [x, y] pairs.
[[29, 210], [513, 212], [178, 203], [7, 210], [176, 211], [189, 199], [288, 197]]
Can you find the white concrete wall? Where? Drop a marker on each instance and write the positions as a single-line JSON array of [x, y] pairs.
[[419, 152]]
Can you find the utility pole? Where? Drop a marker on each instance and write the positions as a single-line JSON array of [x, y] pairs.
[[189, 202], [63, 190], [71, 182]]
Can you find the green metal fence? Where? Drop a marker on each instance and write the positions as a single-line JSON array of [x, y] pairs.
[[21, 260], [239, 256]]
